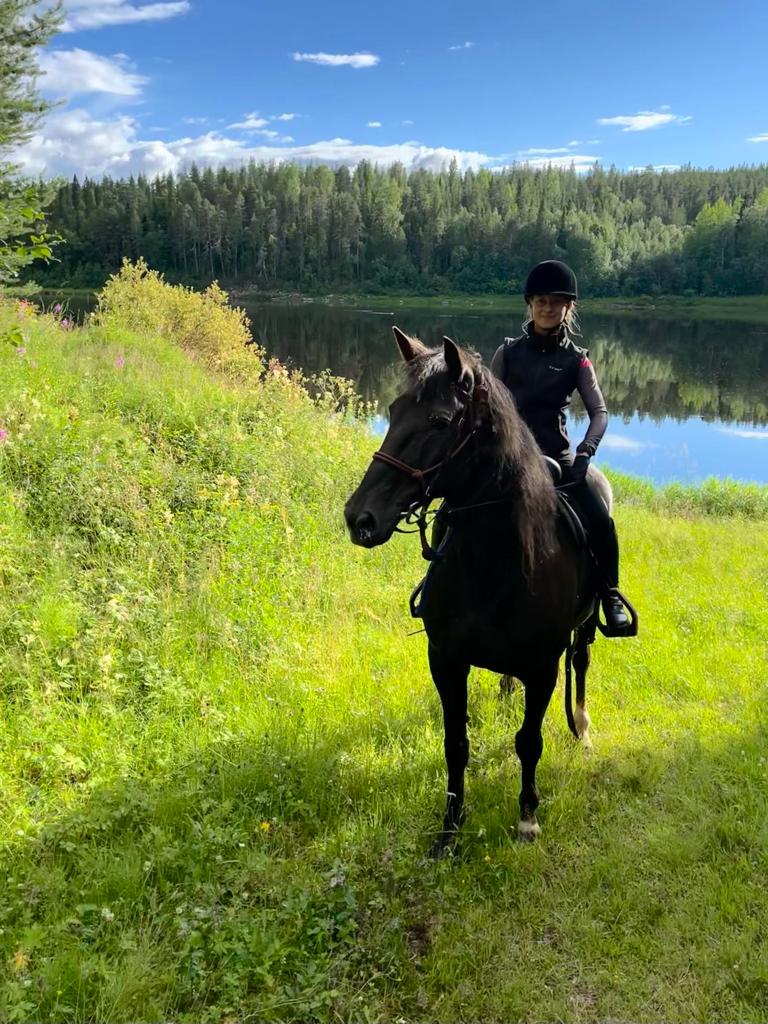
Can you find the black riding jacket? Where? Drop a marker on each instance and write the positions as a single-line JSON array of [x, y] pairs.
[[542, 372]]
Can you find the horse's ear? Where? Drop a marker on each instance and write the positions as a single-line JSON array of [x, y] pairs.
[[453, 359], [409, 347]]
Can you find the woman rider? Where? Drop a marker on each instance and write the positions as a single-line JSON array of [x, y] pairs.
[[542, 368]]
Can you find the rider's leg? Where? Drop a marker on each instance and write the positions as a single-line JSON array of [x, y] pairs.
[[605, 547]]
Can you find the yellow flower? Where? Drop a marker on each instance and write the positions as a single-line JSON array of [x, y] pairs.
[[20, 961], [265, 826]]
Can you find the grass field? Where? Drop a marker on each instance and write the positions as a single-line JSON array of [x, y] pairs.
[[221, 753]]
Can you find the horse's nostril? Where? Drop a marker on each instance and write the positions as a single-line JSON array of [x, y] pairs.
[[364, 526]]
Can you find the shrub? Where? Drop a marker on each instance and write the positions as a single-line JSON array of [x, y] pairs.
[[138, 299]]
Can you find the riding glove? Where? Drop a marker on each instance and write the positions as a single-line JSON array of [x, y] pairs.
[[579, 469]]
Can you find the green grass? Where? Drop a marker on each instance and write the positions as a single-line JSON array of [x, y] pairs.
[[221, 753]]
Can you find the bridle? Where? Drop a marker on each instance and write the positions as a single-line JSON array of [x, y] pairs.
[[472, 418]]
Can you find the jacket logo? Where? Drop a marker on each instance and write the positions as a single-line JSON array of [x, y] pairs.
[[559, 369]]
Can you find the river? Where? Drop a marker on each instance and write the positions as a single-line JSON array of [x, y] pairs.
[[688, 398]]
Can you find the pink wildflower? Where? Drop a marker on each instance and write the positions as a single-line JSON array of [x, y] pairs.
[[56, 308], [66, 323], [3, 435], [21, 351], [120, 362]]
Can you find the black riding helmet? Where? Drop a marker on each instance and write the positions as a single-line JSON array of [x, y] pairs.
[[551, 277]]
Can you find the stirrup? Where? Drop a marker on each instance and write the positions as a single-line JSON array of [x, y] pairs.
[[631, 628]]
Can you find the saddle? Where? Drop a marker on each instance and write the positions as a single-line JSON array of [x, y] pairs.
[[565, 505]]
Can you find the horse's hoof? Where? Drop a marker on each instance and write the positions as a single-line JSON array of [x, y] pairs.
[[506, 685], [527, 831], [443, 845]]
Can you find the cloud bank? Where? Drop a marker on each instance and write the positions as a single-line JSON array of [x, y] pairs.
[[75, 142]]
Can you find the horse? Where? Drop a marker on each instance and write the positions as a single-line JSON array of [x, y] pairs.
[[511, 587]]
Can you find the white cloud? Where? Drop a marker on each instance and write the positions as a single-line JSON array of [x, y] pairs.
[[255, 124], [579, 162], [336, 60], [462, 46], [70, 72], [643, 120], [542, 152], [619, 443], [194, 120], [655, 167], [374, 124], [751, 435], [759, 138], [73, 142], [80, 14], [406, 122], [268, 133], [251, 123]]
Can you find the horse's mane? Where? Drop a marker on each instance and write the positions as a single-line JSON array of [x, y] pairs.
[[518, 456]]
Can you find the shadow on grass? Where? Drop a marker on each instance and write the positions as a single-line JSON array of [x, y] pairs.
[[267, 880]]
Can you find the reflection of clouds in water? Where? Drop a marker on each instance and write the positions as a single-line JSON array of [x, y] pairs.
[[619, 443], [755, 435]]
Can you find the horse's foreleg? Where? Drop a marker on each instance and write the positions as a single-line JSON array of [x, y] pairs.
[[450, 677], [529, 744]]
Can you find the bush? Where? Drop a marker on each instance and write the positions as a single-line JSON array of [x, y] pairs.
[[138, 299]]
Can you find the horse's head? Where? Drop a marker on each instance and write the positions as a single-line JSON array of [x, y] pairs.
[[430, 425]]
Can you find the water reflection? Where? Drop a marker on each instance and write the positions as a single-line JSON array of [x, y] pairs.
[[657, 368], [687, 397]]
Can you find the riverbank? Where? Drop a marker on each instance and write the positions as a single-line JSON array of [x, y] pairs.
[[221, 754], [749, 309], [746, 308]]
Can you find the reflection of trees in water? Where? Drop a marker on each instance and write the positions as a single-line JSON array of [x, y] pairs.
[[657, 368]]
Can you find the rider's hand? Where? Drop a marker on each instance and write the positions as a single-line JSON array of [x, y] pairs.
[[579, 469]]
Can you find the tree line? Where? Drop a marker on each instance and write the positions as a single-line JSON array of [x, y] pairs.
[[317, 228]]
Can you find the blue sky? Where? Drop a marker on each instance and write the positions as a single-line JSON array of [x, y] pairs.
[[153, 86]]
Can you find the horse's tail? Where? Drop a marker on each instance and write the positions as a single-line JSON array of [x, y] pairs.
[[569, 685], [578, 651]]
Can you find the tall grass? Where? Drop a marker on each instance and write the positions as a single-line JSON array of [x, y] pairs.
[[221, 753]]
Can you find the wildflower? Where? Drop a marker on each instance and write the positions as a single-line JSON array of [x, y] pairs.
[[66, 323], [265, 826], [120, 362], [20, 961], [21, 350], [3, 435], [107, 914], [56, 308]]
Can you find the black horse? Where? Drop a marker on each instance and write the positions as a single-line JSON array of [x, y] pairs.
[[511, 585]]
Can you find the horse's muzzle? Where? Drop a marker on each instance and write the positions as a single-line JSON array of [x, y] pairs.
[[362, 528]]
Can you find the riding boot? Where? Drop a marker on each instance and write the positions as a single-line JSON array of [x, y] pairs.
[[605, 547]]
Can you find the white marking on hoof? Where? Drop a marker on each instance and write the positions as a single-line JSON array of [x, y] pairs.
[[582, 721], [528, 829]]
